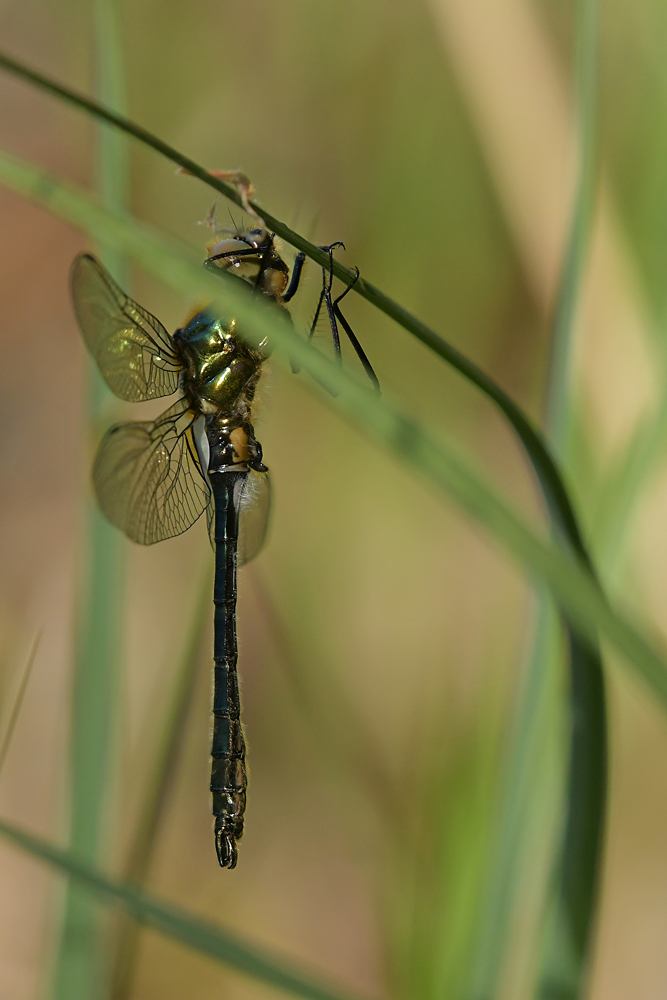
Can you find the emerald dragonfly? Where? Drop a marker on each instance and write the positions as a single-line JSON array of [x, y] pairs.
[[153, 480]]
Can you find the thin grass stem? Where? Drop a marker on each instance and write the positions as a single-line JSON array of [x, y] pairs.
[[548, 476], [179, 266], [17, 703], [180, 925], [579, 865], [585, 663], [573, 588], [81, 967]]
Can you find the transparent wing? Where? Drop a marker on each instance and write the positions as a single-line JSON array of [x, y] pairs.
[[135, 354], [148, 479], [253, 517]]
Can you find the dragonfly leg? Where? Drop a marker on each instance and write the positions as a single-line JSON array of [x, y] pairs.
[[296, 277], [359, 351], [327, 284], [336, 316], [317, 310], [333, 309]]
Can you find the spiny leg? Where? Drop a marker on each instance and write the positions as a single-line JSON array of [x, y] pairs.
[[295, 280], [336, 315], [333, 308], [317, 310], [325, 294], [327, 298], [361, 354]]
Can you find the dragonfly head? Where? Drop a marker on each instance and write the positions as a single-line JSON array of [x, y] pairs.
[[252, 256]]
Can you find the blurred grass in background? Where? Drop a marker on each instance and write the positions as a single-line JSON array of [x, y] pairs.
[[383, 640]]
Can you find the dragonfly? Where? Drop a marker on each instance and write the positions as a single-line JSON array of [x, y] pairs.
[[154, 479]]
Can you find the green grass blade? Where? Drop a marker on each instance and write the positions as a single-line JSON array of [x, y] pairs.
[[580, 861], [586, 667], [624, 485], [203, 936], [580, 865], [585, 660], [80, 970], [523, 775], [543, 464], [558, 395], [576, 592], [113, 168]]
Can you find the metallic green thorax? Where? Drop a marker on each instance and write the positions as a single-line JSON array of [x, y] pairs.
[[221, 372], [220, 377]]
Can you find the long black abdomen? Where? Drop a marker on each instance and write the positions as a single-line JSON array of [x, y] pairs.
[[228, 775]]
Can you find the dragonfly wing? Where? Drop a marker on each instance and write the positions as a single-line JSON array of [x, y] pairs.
[[148, 479], [210, 520], [135, 354], [254, 516]]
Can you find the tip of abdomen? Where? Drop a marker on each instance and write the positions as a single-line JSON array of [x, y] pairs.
[[225, 846]]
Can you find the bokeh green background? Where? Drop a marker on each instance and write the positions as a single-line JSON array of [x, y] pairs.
[[383, 638]]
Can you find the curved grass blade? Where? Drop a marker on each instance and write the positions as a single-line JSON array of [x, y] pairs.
[[176, 264], [79, 972], [587, 686], [579, 860], [543, 464], [579, 867], [200, 935], [572, 586], [558, 409]]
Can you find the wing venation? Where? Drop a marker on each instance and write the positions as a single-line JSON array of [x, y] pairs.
[[148, 479], [254, 514], [134, 353]]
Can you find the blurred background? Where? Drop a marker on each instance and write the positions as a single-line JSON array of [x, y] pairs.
[[384, 640]]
